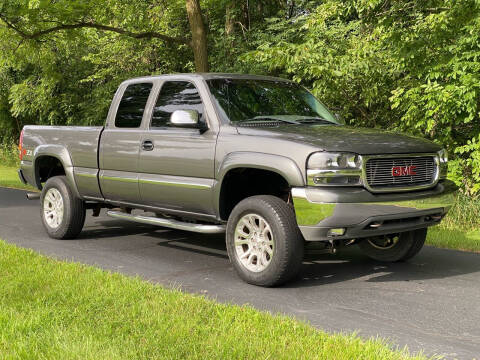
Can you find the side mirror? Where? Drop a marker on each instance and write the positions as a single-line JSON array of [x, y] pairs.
[[185, 119]]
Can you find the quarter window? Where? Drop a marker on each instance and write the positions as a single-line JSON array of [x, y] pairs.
[[176, 95], [131, 108]]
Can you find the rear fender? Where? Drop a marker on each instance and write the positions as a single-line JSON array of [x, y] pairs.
[[61, 153]]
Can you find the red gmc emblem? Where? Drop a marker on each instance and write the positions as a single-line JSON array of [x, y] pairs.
[[404, 170]]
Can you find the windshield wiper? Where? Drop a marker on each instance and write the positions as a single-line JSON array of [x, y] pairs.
[[261, 119], [315, 120]]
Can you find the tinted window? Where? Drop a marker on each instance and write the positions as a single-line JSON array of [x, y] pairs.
[[132, 105], [245, 100], [176, 95]]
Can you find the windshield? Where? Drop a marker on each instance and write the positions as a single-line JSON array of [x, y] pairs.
[[246, 100]]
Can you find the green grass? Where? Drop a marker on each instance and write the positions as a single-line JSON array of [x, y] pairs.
[[9, 178], [460, 230], [455, 239], [9, 164], [464, 214], [58, 310]]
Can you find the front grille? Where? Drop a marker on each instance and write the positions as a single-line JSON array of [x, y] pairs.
[[379, 172]]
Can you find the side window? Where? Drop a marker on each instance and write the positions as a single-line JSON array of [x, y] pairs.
[[176, 95], [131, 107]]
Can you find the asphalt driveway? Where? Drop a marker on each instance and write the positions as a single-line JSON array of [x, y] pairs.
[[431, 303]]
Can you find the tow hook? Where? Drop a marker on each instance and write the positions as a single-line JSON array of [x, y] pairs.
[[332, 248]]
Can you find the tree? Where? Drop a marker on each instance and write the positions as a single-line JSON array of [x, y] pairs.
[[51, 18], [410, 65], [199, 35]]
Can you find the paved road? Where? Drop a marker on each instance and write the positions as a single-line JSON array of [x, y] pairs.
[[431, 303]]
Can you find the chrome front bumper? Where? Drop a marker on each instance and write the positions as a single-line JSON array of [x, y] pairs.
[[363, 214]]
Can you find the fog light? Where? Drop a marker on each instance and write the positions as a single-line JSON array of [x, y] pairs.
[[336, 232], [337, 180]]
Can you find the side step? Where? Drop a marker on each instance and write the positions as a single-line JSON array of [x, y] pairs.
[[170, 223]]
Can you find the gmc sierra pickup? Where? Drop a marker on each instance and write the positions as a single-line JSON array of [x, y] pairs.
[[258, 158]]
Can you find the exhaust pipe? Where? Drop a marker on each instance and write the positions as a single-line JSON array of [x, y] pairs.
[[33, 196]]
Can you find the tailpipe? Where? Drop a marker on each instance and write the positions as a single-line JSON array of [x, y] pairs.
[[33, 196]]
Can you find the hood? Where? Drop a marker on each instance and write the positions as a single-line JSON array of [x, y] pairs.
[[344, 138]]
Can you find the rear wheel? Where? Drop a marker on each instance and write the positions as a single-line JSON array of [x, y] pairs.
[[264, 243], [63, 214], [394, 247]]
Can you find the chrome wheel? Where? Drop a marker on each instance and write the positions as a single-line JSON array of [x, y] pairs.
[[53, 208], [254, 243], [384, 242]]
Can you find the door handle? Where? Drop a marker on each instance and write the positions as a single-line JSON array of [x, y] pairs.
[[147, 145]]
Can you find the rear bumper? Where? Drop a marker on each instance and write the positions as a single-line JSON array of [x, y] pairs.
[[25, 173], [359, 213], [21, 177]]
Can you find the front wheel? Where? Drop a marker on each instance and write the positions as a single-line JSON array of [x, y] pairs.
[[63, 214], [264, 243], [394, 247]]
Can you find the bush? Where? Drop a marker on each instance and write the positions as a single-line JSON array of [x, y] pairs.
[[411, 66], [464, 214], [9, 155]]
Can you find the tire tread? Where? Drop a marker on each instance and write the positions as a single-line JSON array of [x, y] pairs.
[[293, 246], [74, 210]]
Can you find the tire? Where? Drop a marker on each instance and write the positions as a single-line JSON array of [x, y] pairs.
[[276, 253], [67, 212], [419, 237], [402, 247]]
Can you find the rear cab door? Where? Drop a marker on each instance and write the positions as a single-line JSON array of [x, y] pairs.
[[121, 141], [177, 171]]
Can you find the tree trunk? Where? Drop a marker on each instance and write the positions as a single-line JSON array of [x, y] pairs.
[[246, 14], [199, 35], [230, 18]]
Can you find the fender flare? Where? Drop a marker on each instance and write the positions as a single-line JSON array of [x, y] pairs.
[[61, 153], [283, 166]]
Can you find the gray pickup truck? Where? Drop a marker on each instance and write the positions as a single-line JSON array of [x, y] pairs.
[[258, 158]]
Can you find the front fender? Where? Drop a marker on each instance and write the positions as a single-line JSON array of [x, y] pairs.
[[61, 153], [281, 165]]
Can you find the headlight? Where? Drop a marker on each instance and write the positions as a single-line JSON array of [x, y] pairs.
[[442, 154], [443, 163], [334, 169]]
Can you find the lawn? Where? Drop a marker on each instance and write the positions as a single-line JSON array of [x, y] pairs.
[[466, 240], [57, 310], [9, 178]]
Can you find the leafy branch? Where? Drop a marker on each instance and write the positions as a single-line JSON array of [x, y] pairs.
[[93, 25]]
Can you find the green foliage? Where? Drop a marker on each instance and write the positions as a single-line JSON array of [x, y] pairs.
[[464, 214], [412, 66], [8, 155], [469, 156], [69, 77]]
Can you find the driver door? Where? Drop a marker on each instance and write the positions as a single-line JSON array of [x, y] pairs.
[[176, 165]]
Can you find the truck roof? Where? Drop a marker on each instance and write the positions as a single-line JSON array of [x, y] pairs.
[[210, 76]]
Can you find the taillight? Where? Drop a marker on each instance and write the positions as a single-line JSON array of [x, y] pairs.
[[20, 146]]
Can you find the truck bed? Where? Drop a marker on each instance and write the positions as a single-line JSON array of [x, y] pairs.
[[80, 141], [75, 146]]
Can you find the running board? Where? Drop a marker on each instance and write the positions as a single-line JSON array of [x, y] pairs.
[[170, 223]]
